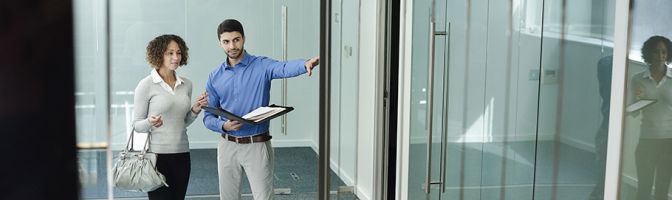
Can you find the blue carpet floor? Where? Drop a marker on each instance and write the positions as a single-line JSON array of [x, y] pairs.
[[296, 168]]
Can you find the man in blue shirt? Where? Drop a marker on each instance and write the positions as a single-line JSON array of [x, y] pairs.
[[239, 85]]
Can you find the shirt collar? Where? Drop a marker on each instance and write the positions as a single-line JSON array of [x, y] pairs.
[[156, 78], [247, 58], [668, 73]]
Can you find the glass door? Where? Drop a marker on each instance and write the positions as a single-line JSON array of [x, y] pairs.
[[474, 100], [344, 77], [645, 171], [507, 99]]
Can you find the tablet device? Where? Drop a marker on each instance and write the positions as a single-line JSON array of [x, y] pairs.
[[642, 103]]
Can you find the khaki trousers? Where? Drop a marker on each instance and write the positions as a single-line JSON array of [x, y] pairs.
[[255, 158]]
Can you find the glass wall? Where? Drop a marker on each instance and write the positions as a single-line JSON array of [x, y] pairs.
[[344, 96], [574, 91], [646, 166], [474, 100], [276, 29], [509, 100], [91, 101]]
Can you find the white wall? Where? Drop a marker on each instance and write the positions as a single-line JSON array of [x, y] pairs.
[[367, 103], [580, 96], [344, 88], [303, 91]]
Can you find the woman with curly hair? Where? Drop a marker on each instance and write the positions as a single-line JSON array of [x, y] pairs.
[[163, 108], [652, 155]]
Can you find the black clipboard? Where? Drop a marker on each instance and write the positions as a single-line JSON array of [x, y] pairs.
[[229, 115]]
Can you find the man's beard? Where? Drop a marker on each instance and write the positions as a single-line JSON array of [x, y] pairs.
[[237, 56]]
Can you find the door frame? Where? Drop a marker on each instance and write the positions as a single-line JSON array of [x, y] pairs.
[[404, 106], [324, 130], [388, 151], [618, 83]]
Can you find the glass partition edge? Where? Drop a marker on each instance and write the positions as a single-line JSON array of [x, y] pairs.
[[404, 118], [614, 143], [325, 95]]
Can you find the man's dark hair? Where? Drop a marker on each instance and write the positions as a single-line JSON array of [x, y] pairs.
[[158, 46], [230, 25], [649, 48]]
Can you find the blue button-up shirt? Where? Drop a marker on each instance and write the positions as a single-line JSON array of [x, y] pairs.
[[244, 87]]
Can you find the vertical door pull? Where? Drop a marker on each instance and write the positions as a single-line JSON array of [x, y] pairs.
[[283, 124], [430, 96], [444, 124]]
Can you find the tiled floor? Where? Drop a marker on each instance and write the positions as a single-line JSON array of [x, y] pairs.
[[296, 168]]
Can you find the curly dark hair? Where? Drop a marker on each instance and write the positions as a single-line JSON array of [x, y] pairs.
[[157, 47], [649, 48]]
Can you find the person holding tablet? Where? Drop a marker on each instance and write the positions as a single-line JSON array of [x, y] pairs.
[[652, 155]]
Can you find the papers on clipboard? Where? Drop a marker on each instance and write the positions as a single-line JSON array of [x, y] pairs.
[[639, 105], [262, 113], [257, 116]]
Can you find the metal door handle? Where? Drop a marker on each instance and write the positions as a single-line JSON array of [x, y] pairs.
[[430, 111], [283, 124], [430, 96], [444, 124]]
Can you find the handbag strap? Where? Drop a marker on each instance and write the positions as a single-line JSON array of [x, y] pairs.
[[129, 143], [146, 147]]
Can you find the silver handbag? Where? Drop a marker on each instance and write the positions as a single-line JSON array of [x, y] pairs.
[[136, 170]]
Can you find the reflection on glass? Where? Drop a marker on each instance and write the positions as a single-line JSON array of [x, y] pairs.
[[517, 92], [604, 68], [574, 99], [652, 161], [646, 167], [481, 95]]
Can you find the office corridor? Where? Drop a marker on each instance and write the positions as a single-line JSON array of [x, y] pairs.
[[295, 169]]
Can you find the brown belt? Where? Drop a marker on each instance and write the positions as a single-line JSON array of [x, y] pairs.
[[263, 137]]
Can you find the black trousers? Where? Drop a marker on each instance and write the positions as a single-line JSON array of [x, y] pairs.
[[601, 162], [176, 168], [654, 167]]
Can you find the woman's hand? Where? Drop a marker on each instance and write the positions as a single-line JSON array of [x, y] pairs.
[[201, 101], [639, 94], [155, 121]]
